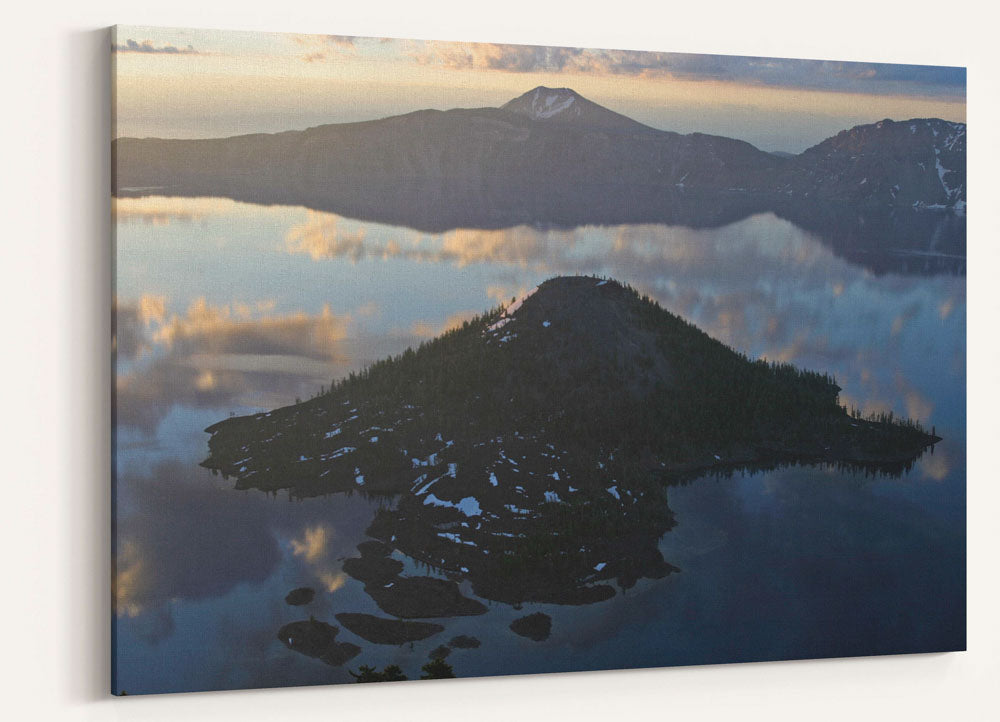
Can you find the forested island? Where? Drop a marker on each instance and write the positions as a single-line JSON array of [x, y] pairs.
[[529, 450]]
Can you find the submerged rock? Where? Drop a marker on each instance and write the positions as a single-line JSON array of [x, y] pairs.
[[380, 630], [300, 596], [423, 597], [439, 652], [536, 626], [317, 639], [371, 569], [374, 548], [463, 641]]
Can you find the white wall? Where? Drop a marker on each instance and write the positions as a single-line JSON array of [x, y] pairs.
[[55, 266]]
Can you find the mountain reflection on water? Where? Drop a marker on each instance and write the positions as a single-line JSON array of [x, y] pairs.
[[227, 307], [883, 239]]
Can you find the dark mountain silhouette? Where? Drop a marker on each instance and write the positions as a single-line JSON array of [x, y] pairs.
[[527, 451], [544, 157]]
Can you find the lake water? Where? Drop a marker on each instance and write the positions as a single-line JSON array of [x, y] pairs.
[[227, 308]]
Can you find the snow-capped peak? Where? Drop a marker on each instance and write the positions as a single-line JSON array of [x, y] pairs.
[[547, 102], [565, 105], [543, 103]]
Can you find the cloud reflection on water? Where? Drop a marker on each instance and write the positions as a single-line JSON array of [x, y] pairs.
[[184, 537], [215, 356], [761, 285], [179, 541]]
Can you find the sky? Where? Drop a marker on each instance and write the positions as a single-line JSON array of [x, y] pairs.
[[189, 83]]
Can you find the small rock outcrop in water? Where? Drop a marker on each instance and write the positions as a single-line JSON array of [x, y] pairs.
[[528, 451], [317, 639], [423, 597], [463, 641], [379, 630], [374, 566], [407, 597], [536, 627], [439, 652], [300, 596]]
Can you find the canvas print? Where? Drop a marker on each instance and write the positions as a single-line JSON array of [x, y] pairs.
[[443, 359]]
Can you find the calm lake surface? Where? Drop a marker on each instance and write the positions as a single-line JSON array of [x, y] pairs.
[[228, 308]]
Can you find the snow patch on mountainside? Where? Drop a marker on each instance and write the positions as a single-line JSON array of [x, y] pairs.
[[545, 104]]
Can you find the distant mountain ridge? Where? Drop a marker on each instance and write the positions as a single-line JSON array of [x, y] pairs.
[[541, 156]]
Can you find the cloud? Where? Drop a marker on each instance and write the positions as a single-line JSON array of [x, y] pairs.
[[218, 356], [184, 542], [343, 41], [208, 329], [315, 548], [328, 236], [312, 546], [131, 323], [918, 406], [903, 318], [313, 40], [325, 47], [875, 78], [147, 47], [494, 56], [935, 466], [127, 332], [162, 210], [152, 309], [811, 74], [332, 581], [322, 235], [504, 294], [427, 329], [181, 536]]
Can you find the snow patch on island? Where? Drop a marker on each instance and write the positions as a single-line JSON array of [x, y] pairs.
[[468, 506], [455, 538]]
